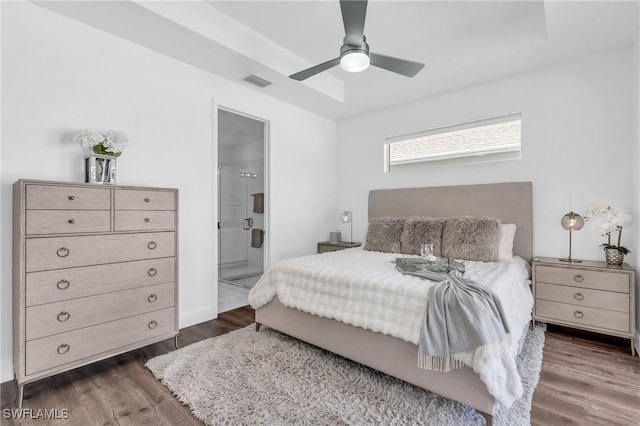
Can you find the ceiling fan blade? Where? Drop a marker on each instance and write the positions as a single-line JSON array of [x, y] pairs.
[[354, 13], [397, 65], [310, 72]]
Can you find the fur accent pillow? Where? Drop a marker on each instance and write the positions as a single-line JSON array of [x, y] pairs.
[[383, 234], [471, 238], [421, 230]]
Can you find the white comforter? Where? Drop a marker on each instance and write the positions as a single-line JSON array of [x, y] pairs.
[[364, 289]]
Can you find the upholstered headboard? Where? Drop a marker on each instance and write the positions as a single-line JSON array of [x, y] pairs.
[[511, 202]]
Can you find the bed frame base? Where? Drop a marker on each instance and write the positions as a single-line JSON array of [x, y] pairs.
[[384, 353]]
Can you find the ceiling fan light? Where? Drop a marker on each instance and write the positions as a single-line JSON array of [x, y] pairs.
[[354, 61]]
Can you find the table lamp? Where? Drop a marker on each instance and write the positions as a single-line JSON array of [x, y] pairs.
[[573, 222], [345, 217]]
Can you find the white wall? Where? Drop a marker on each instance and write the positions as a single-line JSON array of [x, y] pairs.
[[59, 75], [636, 173], [576, 125]]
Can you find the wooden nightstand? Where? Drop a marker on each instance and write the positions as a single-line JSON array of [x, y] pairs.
[[589, 295], [326, 246]]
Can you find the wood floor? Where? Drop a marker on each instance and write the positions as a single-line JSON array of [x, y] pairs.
[[585, 380]]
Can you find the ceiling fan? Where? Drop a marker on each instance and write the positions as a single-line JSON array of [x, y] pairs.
[[354, 53]]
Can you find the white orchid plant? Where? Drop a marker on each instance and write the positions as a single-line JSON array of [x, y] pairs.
[[110, 142], [612, 220]]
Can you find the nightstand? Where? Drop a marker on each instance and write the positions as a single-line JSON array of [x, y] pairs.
[[326, 246], [589, 295]]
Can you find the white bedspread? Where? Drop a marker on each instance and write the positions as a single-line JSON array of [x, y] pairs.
[[363, 288]]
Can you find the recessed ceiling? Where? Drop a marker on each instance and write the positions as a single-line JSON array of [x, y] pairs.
[[461, 43]]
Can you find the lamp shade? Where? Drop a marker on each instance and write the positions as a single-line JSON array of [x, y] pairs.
[[345, 217], [572, 221]]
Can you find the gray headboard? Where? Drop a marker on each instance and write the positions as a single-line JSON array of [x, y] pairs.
[[511, 202]]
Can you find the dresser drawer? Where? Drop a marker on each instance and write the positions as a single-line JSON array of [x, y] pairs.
[[67, 252], [48, 197], [134, 199], [609, 281], [64, 284], [67, 222], [583, 297], [64, 348], [583, 315], [145, 220], [54, 318]]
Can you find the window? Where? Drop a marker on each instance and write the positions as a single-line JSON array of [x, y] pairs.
[[492, 139]]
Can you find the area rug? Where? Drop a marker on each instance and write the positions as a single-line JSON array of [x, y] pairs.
[[267, 378]]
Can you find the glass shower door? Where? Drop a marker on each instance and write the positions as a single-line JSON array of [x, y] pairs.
[[233, 225]]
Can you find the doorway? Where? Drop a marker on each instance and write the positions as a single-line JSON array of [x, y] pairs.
[[242, 142]]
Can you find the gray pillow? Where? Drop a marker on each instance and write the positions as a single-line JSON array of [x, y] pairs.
[[471, 238], [421, 230], [383, 234]]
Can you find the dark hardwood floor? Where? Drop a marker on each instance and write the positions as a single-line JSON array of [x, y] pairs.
[[586, 379]]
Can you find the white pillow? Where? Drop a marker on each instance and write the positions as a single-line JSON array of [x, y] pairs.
[[505, 247]]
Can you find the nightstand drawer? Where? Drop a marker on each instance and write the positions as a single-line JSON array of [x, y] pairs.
[[608, 300], [609, 281], [582, 315]]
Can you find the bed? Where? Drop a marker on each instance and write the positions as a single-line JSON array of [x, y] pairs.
[[511, 202]]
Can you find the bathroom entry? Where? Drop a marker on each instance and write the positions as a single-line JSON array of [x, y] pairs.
[[241, 205]]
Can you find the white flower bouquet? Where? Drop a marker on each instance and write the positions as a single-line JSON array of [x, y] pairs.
[[110, 142], [612, 219]]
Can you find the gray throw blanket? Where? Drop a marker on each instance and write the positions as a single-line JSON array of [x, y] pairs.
[[462, 318]]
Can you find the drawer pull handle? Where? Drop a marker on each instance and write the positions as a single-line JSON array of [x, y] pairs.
[[578, 314], [578, 278], [71, 221], [64, 316], [146, 219], [71, 197], [152, 298], [147, 200], [63, 348], [152, 272], [152, 324], [63, 252], [63, 284], [578, 296], [151, 245]]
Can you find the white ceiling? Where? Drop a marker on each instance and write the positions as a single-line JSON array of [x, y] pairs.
[[462, 43], [236, 129]]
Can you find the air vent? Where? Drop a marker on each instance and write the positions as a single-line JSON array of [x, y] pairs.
[[257, 81]]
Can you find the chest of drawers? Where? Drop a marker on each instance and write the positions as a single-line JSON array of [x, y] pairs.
[[94, 273], [589, 295]]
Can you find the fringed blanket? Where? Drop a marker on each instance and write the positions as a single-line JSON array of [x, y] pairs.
[[463, 319]]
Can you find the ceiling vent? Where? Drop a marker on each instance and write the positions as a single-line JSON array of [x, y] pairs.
[[257, 81]]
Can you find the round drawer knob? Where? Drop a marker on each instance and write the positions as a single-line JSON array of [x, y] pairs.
[[578, 314], [62, 252], [71, 197], [152, 324], [146, 219], [578, 296], [64, 316], [63, 348], [63, 284], [151, 245], [147, 200], [152, 272], [71, 221], [578, 278], [152, 298]]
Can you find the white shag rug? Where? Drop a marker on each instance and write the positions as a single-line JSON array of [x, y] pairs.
[[268, 378]]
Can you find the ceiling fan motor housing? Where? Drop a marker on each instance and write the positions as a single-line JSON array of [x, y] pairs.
[[349, 48]]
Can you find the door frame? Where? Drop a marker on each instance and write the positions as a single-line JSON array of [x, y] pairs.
[[267, 188]]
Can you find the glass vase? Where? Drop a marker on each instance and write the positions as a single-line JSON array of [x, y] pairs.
[[100, 169]]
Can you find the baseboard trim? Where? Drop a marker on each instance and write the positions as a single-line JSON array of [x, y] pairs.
[[196, 316], [6, 370]]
